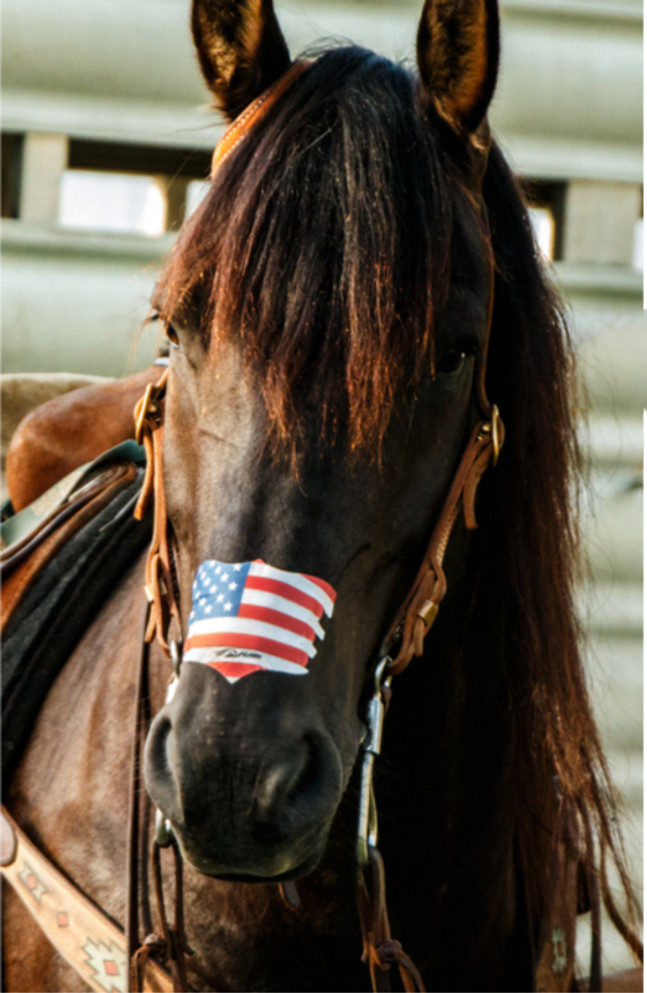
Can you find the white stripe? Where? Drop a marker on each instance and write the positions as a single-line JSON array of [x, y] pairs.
[[269, 662], [259, 598], [244, 625], [293, 579]]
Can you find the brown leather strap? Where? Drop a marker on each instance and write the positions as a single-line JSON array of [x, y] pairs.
[[176, 946], [252, 114], [555, 969], [160, 587], [136, 893], [380, 949], [86, 938], [420, 607]]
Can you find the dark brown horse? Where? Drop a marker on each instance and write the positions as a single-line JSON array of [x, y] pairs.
[[359, 279]]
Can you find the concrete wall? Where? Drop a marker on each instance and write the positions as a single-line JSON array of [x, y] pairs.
[[567, 110], [569, 100]]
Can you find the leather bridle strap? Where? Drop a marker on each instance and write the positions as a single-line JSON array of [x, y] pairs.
[[380, 949], [420, 607], [253, 114], [160, 585], [412, 623]]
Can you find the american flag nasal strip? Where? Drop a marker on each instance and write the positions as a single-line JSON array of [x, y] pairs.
[[249, 616]]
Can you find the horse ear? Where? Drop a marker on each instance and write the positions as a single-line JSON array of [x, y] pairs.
[[458, 58], [241, 49]]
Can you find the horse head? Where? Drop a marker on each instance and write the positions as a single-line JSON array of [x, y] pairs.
[[328, 310]]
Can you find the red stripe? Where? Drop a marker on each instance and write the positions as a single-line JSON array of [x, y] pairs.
[[322, 584], [251, 642], [235, 669], [276, 617], [286, 591]]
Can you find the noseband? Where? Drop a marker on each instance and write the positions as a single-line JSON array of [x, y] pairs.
[[406, 635]]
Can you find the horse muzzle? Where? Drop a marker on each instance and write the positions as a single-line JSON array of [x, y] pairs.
[[248, 777]]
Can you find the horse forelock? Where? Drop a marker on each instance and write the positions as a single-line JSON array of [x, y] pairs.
[[324, 246]]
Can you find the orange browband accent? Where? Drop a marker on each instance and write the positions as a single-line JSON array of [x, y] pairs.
[[252, 114]]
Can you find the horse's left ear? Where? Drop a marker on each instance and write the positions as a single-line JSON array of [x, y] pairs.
[[458, 59], [241, 49]]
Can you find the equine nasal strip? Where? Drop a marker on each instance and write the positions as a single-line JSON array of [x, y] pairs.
[[249, 616]]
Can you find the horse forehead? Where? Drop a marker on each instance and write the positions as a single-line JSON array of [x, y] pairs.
[[226, 401]]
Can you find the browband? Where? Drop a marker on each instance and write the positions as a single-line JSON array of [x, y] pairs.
[[253, 114]]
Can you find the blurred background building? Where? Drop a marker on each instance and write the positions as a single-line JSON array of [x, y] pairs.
[[107, 136]]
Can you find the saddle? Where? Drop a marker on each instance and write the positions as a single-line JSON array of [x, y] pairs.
[[65, 551]]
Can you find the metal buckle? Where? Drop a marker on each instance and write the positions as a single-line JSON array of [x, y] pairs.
[[493, 429], [496, 423], [428, 613], [163, 830], [147, 407], [371, 746]]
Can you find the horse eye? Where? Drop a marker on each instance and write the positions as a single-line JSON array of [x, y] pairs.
[[172, 335], [451, 362]]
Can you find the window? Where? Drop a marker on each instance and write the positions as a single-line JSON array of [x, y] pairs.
[[111, 201], [545, 201]]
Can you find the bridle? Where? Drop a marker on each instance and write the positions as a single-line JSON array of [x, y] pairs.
[[404, 640]]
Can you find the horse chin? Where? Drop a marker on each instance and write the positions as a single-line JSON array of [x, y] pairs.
[[258, 867]]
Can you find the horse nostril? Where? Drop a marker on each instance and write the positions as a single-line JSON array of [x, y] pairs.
[[287, 791], [158, 741], [276, 783], [157, 766], [309, 775]]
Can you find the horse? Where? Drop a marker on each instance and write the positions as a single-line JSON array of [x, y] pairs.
[[357, 290]]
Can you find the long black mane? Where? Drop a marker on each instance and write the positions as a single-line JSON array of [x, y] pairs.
[[346, 177], [559, 786]]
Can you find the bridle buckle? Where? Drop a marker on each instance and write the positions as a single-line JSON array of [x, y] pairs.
[[148, 409], [371, 747], [493, 428]]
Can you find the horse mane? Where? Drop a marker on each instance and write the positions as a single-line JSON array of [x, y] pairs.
[[345, 177], [559, 785]]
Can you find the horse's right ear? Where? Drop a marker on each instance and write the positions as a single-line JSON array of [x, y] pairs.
[[458, 59], [241, 49]]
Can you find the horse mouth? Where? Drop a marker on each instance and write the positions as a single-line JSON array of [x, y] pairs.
[[263, 864]]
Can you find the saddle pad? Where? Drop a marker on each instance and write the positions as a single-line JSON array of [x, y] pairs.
[[58, 606]]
